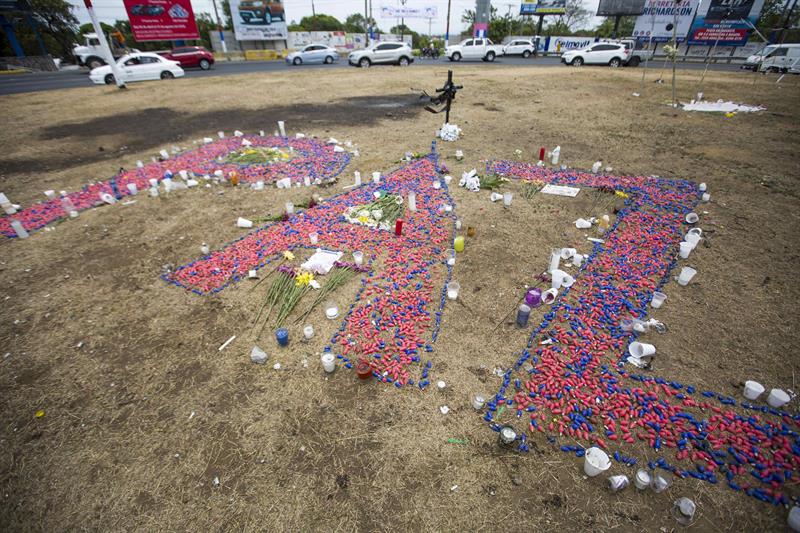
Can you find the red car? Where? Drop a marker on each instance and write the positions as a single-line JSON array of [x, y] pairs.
[[191, 56]]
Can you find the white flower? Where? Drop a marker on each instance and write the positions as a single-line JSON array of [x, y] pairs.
[[377, 214]]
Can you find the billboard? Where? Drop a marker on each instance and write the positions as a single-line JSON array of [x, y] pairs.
[[259, 20], [559, 45], [15, 5], [656, 23], [391, 12], [161, 20], [725, 22], [612, 8], [543, 7]]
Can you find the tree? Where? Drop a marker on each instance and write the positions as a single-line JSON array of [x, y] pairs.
[[55, 18], [606, 28], [402, 29], [227, 18], [318, 23], [576, 16], [773, 17]]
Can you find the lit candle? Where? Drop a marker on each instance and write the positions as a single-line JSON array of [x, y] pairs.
[[398, 227], [541, 153]]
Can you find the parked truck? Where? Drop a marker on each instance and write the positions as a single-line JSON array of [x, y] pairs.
[[90, 53], [483, 49]]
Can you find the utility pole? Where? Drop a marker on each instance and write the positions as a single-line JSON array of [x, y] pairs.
[[366, 24], [402, 19], [109, 57], [447, 30], [219, 29]]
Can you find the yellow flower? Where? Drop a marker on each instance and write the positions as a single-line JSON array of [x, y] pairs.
[[363, 220], [621, 194], [39, 414], [288, 255], [303, 279]]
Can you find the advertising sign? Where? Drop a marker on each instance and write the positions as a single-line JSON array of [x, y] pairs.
[[391, 12], [613, 8], [560, 45], [259, 20], [725, 22], [657, 21], [161, 20], [543, 7]]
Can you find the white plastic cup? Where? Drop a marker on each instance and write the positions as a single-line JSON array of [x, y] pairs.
[[453, 289], [376, 177], [555, 259], [308, 331], [640, 349], [495, 196], [794, 518], [706, 197], [282, 128], [693, 238], [703, 187], [642, 479], [686, 275], [617, 483], [358, 258], [451, 257], [244, 223], [459, 155], [447, 179], [507, 197], [307, 181], [692, 218], [21, 232], [561, 279], [437, 184], [660, 482], [252, 274], [51, 194], [289, 208], [694, 231], [777, 398], [567, 253], [357, 175], [478, 402], [412, 201], [753, 389], [582, 223], [549, 296], [328, 362], [132, 189], [221, 134], [577, 260], [313, 237], [658, 299], [685, 249], [595, 462], [331, 310]]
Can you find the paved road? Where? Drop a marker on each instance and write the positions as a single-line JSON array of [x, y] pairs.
[[68, 79]]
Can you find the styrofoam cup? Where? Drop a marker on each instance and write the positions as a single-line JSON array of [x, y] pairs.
[[244, 223], [577, 260], [358, 257], [753, 389], [703, 187], [706, 197], [595, 462], [693, 238], [778, 398], [641, 349], [692, 218], [313, 237], [686, 275], [685, 249], [694, 231], [658, 299]]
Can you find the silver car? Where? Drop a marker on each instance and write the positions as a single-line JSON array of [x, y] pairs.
[[313, 53], [382, 53]]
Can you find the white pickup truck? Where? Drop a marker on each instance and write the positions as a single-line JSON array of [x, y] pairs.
[[483, 49]]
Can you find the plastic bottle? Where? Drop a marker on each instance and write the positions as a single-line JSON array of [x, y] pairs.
[[555, 155], [68, 206]]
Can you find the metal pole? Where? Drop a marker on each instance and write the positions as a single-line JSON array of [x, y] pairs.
[[447, 28], [219, 29], [366, 24], [675, 44], [106, 51]]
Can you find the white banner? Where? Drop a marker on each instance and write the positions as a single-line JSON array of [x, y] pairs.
[[560, 45], [258, 20], [659, 17], [390, 12]]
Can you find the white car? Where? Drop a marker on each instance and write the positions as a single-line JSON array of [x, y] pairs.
[[483, 49], [313, 53], [393, 53], [138, 67], [519, 47], [611, 54]]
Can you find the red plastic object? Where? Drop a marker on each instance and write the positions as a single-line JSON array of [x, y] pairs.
[[541, 153], [398, 227], [363, 370]]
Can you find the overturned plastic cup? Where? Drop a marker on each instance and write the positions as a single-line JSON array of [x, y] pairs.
[[641, 349], [595, 462], [549, 296], [753, 389], [660, 481], [686, 275], [778, 398], [658, 299]]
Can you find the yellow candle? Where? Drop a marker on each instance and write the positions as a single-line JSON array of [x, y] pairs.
[[459, 244]]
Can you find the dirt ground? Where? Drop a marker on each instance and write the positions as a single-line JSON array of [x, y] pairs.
[[147, 412]]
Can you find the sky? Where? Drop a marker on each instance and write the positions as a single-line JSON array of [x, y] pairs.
[[111, 10]]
